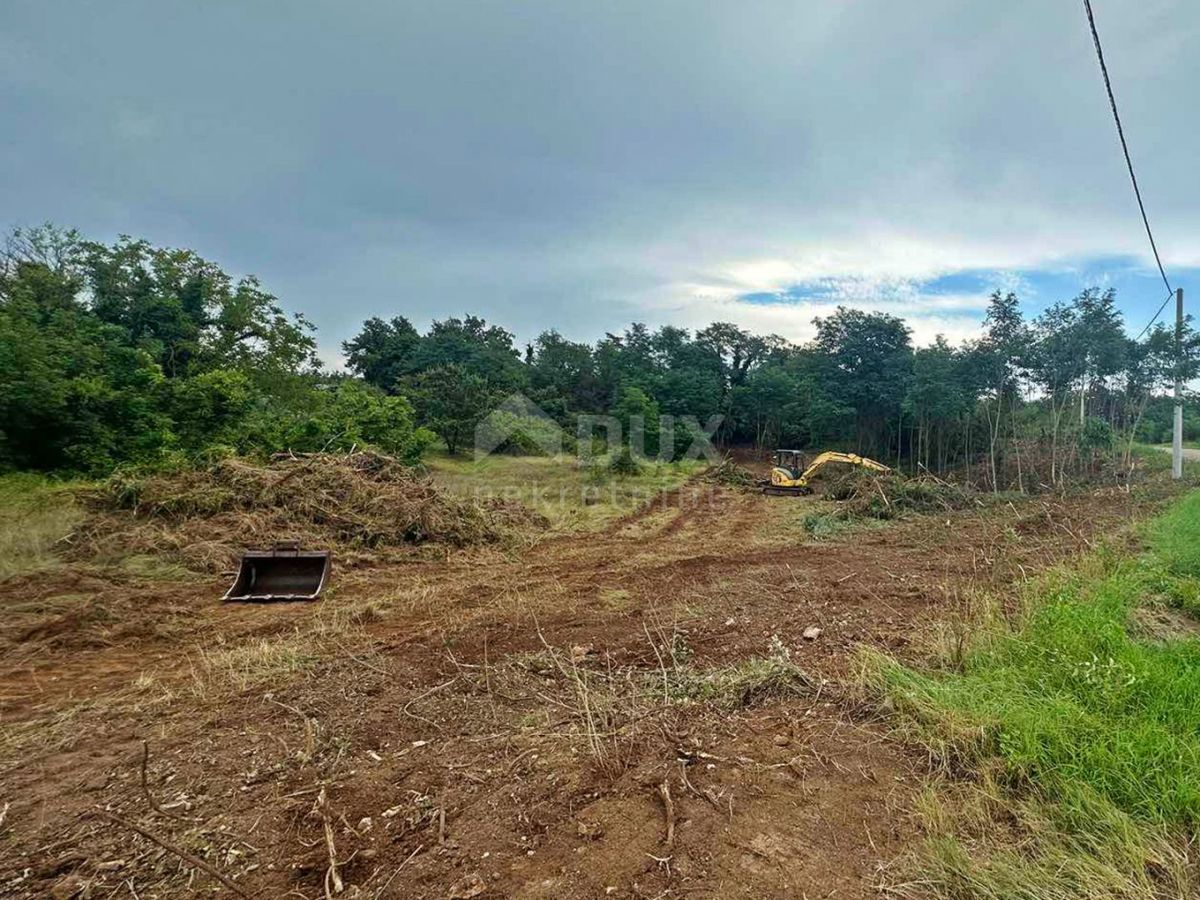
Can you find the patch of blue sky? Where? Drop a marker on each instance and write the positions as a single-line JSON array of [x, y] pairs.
[[1140, 290]]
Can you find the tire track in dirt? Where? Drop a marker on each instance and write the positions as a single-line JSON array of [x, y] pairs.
[[774, 801], [716, 534], [105, 664]]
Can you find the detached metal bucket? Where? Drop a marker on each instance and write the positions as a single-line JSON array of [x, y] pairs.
[[283, 573]]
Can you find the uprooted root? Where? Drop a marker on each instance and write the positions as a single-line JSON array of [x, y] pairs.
[[360, 504]]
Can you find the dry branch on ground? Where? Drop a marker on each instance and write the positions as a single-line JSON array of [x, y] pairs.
[[361, 504]]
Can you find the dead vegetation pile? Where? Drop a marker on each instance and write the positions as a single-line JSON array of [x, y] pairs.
[[361, 505], [730, 474], [867, 495]]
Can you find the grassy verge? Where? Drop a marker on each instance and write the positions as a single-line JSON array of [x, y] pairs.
[[1077, 730], [572, 497], [34, 514]]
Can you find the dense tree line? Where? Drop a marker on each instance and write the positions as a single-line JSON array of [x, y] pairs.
[[1030, 401], [127, 352]]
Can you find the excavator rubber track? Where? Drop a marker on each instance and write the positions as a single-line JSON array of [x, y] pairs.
[[775, 491]]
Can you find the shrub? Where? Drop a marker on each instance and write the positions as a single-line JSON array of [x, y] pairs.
[[341, 417], [622, 462], [503, 431]]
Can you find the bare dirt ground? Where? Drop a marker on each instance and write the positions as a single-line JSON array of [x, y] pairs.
[[560, 721]]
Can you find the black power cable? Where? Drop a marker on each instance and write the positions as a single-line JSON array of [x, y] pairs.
[[1112, 101], [1154, 319]]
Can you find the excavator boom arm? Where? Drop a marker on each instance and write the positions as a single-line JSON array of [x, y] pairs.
[[831, 456]]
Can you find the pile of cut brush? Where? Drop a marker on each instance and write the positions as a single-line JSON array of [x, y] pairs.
[[866, 495], [730, 474], [360, 505]]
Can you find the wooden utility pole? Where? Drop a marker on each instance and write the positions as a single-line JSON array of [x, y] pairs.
[[1177, 437]]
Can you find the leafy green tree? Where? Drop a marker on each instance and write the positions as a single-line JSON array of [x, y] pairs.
[[639, 418], [451, 400], [869, 364], [935, 401], [487, 352], [737, 349], [383, 352], [211, 408], [559, 368], [817, 415], [1096, 439], [1101, 342], [627, 360], [691, 391], [338, 416], [764, 401], [691, 375], [672, 347], [1151, 366], [370, 417], [132, 353], [73, 394], [1000, 356], [190, 315], [1056, 362], [114, 413]]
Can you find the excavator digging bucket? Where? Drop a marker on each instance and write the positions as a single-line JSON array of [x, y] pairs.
[[283, 573]]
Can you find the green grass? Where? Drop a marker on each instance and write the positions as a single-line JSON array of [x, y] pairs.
[[1174, 537], [1083, 735], [823, 525], [35, 513], [809, 518], [572, 497]]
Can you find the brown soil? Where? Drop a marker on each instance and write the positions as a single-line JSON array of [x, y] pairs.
[[489, 722]]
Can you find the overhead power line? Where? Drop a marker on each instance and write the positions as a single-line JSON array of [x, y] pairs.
[[1154, 319], [1137, 192]]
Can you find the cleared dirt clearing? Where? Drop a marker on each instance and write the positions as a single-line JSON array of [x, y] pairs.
[[632, 713]]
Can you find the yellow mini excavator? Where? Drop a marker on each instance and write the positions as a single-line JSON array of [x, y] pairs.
[[788, 478]]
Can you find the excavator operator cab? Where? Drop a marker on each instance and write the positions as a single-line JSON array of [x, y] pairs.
[[790, 460], [787, 476]]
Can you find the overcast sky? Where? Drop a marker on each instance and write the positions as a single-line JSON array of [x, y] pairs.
[[580, 165]]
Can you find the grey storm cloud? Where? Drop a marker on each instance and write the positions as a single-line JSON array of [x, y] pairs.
[[583, 164]]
